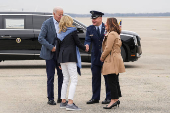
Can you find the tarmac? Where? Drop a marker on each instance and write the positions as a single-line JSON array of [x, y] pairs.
[[145, 85]]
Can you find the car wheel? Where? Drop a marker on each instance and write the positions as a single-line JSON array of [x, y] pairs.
[[123, 53]]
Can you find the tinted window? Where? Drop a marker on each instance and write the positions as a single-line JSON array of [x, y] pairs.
[[37, 21]]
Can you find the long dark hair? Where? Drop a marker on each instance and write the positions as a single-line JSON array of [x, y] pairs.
[[113, 25]]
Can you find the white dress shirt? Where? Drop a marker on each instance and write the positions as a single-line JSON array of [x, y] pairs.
[[56, 24]]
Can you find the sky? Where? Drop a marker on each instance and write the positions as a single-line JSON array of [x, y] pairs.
[[85, 6]]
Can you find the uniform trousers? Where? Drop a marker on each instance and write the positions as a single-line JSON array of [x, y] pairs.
[[50, 69], [69, 70], [96, 83], [114, 86]]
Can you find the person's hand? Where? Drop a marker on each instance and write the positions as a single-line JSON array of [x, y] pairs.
[[87, 47], [54, 49], [101, 59], [60, 67]]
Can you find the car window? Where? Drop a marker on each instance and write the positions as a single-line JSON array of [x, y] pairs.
[[37, 21], [14, 23]]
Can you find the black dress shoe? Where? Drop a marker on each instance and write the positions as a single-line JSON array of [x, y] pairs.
[[114, 104], [92, 101], [106, 101], [51, 102], [59, 100]]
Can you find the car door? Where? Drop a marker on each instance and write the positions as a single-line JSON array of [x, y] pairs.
[[17, 40], [37, 23]]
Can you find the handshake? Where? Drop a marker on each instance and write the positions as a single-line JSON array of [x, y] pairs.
[[87, 47]]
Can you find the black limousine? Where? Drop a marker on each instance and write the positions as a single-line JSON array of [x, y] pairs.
[[19, 37]]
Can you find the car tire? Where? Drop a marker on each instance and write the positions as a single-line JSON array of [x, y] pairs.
[[123, 53]]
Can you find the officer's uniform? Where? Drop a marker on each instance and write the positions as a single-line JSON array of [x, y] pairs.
[[92, 36]]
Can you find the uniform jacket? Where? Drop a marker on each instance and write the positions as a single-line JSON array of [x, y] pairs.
[[47, 38], [92, 37], [67, 51], [113, 62]]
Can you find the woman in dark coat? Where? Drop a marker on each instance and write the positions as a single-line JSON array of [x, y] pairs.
[[69, 58]]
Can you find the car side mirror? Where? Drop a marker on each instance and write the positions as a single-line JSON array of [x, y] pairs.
[[80, 30]]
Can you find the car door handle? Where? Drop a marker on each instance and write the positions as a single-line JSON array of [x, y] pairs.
[[6, 36]]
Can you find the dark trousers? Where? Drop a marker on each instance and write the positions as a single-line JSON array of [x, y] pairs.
[[114, 86], [96, 83], [50, 69]]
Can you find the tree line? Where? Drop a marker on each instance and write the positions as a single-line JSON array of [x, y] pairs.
[[125, 15]]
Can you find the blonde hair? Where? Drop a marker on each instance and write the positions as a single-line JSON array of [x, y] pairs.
[[66, 21]]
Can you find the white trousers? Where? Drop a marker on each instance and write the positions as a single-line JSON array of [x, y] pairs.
[[69, 71]]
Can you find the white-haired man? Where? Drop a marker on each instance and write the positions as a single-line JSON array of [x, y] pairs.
[[47, 38]]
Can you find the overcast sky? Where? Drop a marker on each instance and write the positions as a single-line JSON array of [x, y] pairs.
[[84, 6]]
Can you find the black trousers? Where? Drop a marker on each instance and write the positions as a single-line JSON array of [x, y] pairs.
[[96, 83], [114, 86]]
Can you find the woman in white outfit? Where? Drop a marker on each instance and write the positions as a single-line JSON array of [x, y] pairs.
[[68, 58]]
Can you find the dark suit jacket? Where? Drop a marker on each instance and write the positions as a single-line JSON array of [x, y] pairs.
[[67, 52], [96, 40], [47, 38]]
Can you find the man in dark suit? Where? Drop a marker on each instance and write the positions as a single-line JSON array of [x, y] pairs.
[[95, 35], [47, 38]]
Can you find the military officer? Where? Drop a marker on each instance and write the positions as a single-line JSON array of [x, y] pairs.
[[94, 35]]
